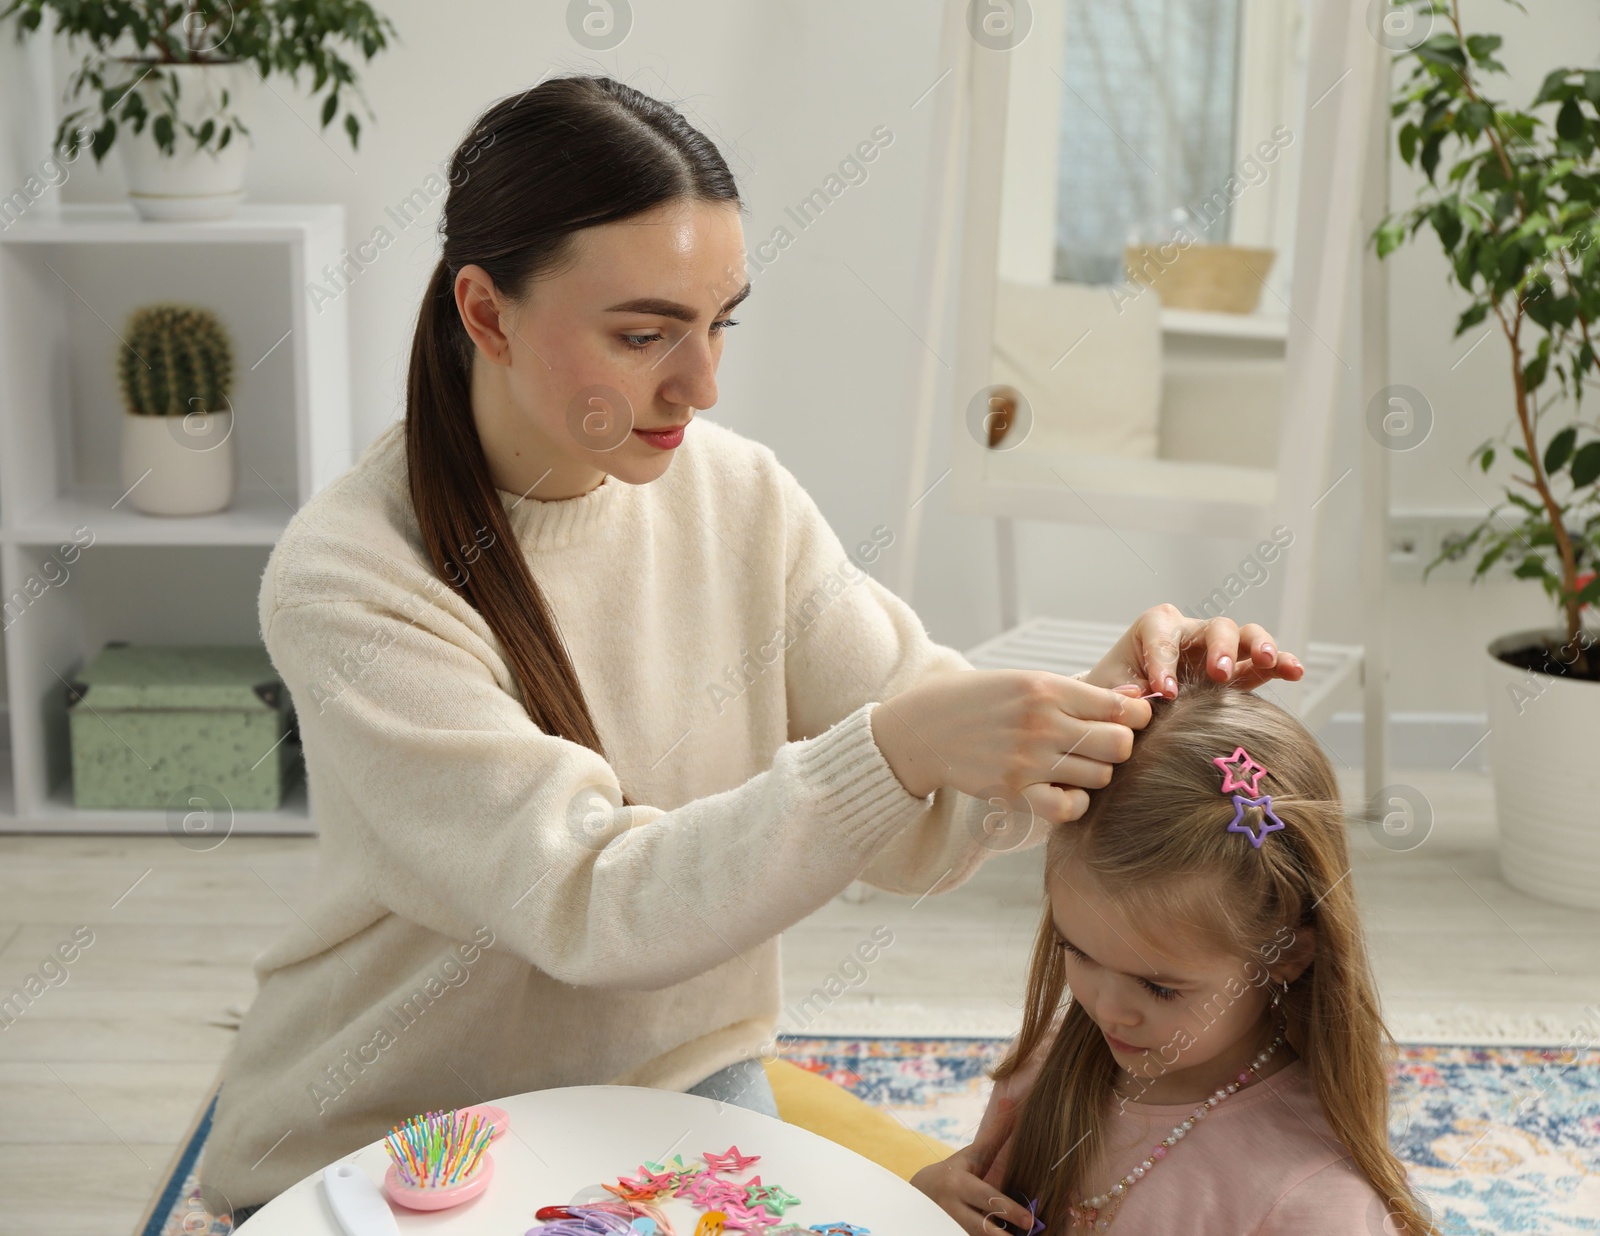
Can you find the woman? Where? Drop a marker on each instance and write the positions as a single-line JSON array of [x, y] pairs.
[[540, 589]]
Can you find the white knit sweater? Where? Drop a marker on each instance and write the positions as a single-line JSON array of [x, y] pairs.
[[484, 922]]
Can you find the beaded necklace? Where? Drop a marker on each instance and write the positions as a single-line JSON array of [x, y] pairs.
[[1098, 1211]]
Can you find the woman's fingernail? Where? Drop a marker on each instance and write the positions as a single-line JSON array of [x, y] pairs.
[[1129, 688], [1171, 684], [1225, 664], [1269, 650]]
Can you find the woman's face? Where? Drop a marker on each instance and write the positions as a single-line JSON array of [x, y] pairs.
[[1163, 1009], [581, 376]]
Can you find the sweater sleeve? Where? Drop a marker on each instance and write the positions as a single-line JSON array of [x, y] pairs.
[[855, 642], [468, 815]]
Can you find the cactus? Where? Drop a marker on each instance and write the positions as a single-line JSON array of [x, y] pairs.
[[176, 359]]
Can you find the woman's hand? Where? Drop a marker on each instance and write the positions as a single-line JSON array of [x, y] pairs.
[[1031, 732], [956, 1184], [1162, 640]]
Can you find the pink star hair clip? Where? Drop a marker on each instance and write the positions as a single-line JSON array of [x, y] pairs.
[[1242, 772]]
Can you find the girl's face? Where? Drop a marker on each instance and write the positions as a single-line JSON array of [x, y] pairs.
[[1166, 1010], [582, 374]]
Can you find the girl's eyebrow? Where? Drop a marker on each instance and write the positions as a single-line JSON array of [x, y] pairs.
[[1157, 980], [673, 309]]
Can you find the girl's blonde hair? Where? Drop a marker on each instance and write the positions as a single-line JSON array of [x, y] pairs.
[[1156, 841]]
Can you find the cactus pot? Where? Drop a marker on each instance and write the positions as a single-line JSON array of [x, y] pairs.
[[1546, 781], [178, 465], [189, 183]]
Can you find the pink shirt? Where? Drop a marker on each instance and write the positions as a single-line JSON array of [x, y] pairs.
[[1263, 1162]]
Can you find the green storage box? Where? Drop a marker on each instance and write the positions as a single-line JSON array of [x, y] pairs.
[[151, 723]]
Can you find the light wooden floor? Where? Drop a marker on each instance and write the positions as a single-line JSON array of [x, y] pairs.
[[100, 1077]]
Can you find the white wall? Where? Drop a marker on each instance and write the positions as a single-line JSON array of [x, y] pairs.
[[822, 367]]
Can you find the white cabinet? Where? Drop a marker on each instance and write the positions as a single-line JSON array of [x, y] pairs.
[[79, 566]]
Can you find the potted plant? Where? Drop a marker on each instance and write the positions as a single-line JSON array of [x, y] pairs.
[[1516, 216], [179, 78], [176, 369]]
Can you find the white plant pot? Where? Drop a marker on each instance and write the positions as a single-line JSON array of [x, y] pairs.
[[178, 465], [1542, 740], [189, 183]]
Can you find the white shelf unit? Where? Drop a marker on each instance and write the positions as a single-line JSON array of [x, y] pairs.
[[67, 285]]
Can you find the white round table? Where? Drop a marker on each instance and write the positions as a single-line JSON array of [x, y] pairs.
[[568, 1139]]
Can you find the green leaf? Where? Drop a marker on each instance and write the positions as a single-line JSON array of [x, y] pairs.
[[1430, 153], [1534, 373], [1480, 46], [1569, 121], [103, 137], [1474, 118], [1492, 556], [1591, 86], [1531, 567], [1586, 465], [1472, 317], [352, 126], [1391, 235], [1442, 49], [1447, 223], [1409, 136], [1551, 90], [1559, 450], [329, 107], [162, 129], [1486, 460]]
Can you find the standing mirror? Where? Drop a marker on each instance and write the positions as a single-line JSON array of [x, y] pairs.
[[1158, 238]]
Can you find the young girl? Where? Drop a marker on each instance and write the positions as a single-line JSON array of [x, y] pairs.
[[1219, 1067]]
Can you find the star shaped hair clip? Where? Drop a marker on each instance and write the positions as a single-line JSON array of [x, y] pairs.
[[1241, 772], [1236, 825], [729, 1160]]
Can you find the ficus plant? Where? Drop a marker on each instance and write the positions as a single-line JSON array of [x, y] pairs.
[[133, 42], [1512, 196]]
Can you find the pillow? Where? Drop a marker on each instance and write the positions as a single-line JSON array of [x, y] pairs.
[[1105, 397]]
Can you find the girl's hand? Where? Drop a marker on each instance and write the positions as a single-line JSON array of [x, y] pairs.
[[1029, 732], [1162, 640], [956, 1184]]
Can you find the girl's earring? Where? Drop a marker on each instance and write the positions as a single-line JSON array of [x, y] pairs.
[[1277, 996]]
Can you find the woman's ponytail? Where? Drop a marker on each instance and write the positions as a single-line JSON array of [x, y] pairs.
[[465, 528]]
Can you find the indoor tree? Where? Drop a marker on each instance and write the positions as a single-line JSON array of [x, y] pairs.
[[1512, 195]]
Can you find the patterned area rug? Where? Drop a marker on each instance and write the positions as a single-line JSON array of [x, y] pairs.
[[1499, 1140]]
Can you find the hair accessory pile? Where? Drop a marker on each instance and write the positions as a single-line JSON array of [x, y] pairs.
[[1243, 772]]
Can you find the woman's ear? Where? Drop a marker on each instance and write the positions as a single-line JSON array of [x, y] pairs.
[[482, 313], [1296, 957]]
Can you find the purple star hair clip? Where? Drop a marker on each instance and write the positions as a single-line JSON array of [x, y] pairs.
[[1236, 825]]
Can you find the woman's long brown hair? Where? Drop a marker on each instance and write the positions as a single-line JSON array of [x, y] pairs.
[[1156, 841], [573, 152]]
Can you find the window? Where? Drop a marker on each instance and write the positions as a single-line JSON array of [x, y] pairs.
[[1147, 127]]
